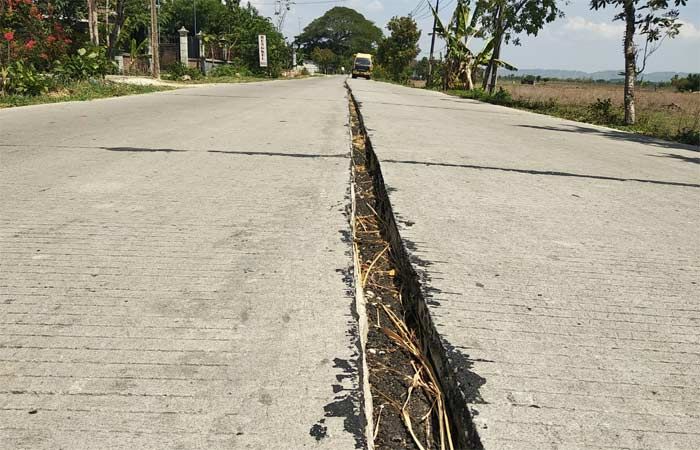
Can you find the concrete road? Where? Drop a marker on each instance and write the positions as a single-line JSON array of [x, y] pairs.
[[174, 271], [560, 260]]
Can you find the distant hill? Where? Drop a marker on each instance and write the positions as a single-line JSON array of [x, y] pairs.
[[601, 75]]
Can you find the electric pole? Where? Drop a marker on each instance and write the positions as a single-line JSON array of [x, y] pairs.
[[155, 52], [432, 45]]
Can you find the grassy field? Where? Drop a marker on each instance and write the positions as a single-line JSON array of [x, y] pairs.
[[662, 113], [80, 91]]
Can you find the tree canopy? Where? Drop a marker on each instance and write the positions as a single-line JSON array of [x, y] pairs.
[[397, 52], [342, 30], [655, 20]]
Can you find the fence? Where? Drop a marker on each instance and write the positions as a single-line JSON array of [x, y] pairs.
[[215, 53]]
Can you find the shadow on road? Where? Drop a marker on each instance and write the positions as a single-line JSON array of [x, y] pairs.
[[679, 157], [543, 172], [615, 134]]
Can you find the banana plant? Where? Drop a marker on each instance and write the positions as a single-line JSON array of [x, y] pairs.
[[460, 60]]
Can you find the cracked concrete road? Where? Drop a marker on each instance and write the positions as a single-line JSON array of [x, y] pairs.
[[174, 271], [561, 260]]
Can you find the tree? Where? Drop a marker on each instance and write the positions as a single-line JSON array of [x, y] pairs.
[[235, 28], [655, 20], [460, 60], [342, 30], [324, 57], [691, 83], [420, 70], [507, 18], [398, 51]]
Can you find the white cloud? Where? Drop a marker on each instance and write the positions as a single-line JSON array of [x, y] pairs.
[[593, 30], [689, 31], [375, 6]]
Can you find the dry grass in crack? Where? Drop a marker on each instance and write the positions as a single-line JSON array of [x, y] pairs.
[[409, 410], [408, 341]]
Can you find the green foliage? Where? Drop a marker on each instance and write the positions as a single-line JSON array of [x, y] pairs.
[[655, 20], [502, 97], [342, 30], [689, 136], [325, 58], [236, 69], [510, 18], [460, 60], [379, 72], [32, 33], [603, 111], [82, 90], [21, 78], [178, 70], [233, 28], [398, 51], [691, 83], [83, 65], [420, 69]]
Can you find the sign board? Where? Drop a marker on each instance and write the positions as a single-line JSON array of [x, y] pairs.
[[262, 49]]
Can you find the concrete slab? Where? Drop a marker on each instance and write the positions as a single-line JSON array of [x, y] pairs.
[[561, 260], [174, 271]]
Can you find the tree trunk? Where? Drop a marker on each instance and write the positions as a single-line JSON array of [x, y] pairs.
[[630, 62], [470, 81], [92, 22], [497, 35], [490, 85], [494, 67], [116, 28]]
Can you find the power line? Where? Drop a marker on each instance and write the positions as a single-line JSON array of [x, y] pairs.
[[419, 6]]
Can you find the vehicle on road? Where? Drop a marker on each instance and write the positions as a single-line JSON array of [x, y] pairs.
[[362, 66]]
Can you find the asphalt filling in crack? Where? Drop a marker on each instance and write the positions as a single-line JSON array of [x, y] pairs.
[[408, 409]]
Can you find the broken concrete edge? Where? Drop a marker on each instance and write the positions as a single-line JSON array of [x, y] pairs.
[[441, 353], [360, 308]]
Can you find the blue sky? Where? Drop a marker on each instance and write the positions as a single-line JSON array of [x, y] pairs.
[[582, 40]]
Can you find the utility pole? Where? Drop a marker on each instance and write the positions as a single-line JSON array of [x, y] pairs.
[[155, 52], [432, 45]]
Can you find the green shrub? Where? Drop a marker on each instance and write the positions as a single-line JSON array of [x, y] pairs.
[[688, 136], [84, 65], [236, 69], [502, 97], [379, 72], [604, 111], [178, 70], [23, 79], [305, 72], [691, 83]]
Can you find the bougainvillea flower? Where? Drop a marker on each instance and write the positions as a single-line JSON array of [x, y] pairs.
[[9, 35], [51, 39], [30, 44]]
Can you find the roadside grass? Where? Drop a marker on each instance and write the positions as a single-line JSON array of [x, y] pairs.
[[80, 91], [224, 79], [661, 113]]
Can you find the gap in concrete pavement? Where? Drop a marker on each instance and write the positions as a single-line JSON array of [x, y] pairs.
[[407, 363]]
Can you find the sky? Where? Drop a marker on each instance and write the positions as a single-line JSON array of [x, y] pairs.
[[582, 40]]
